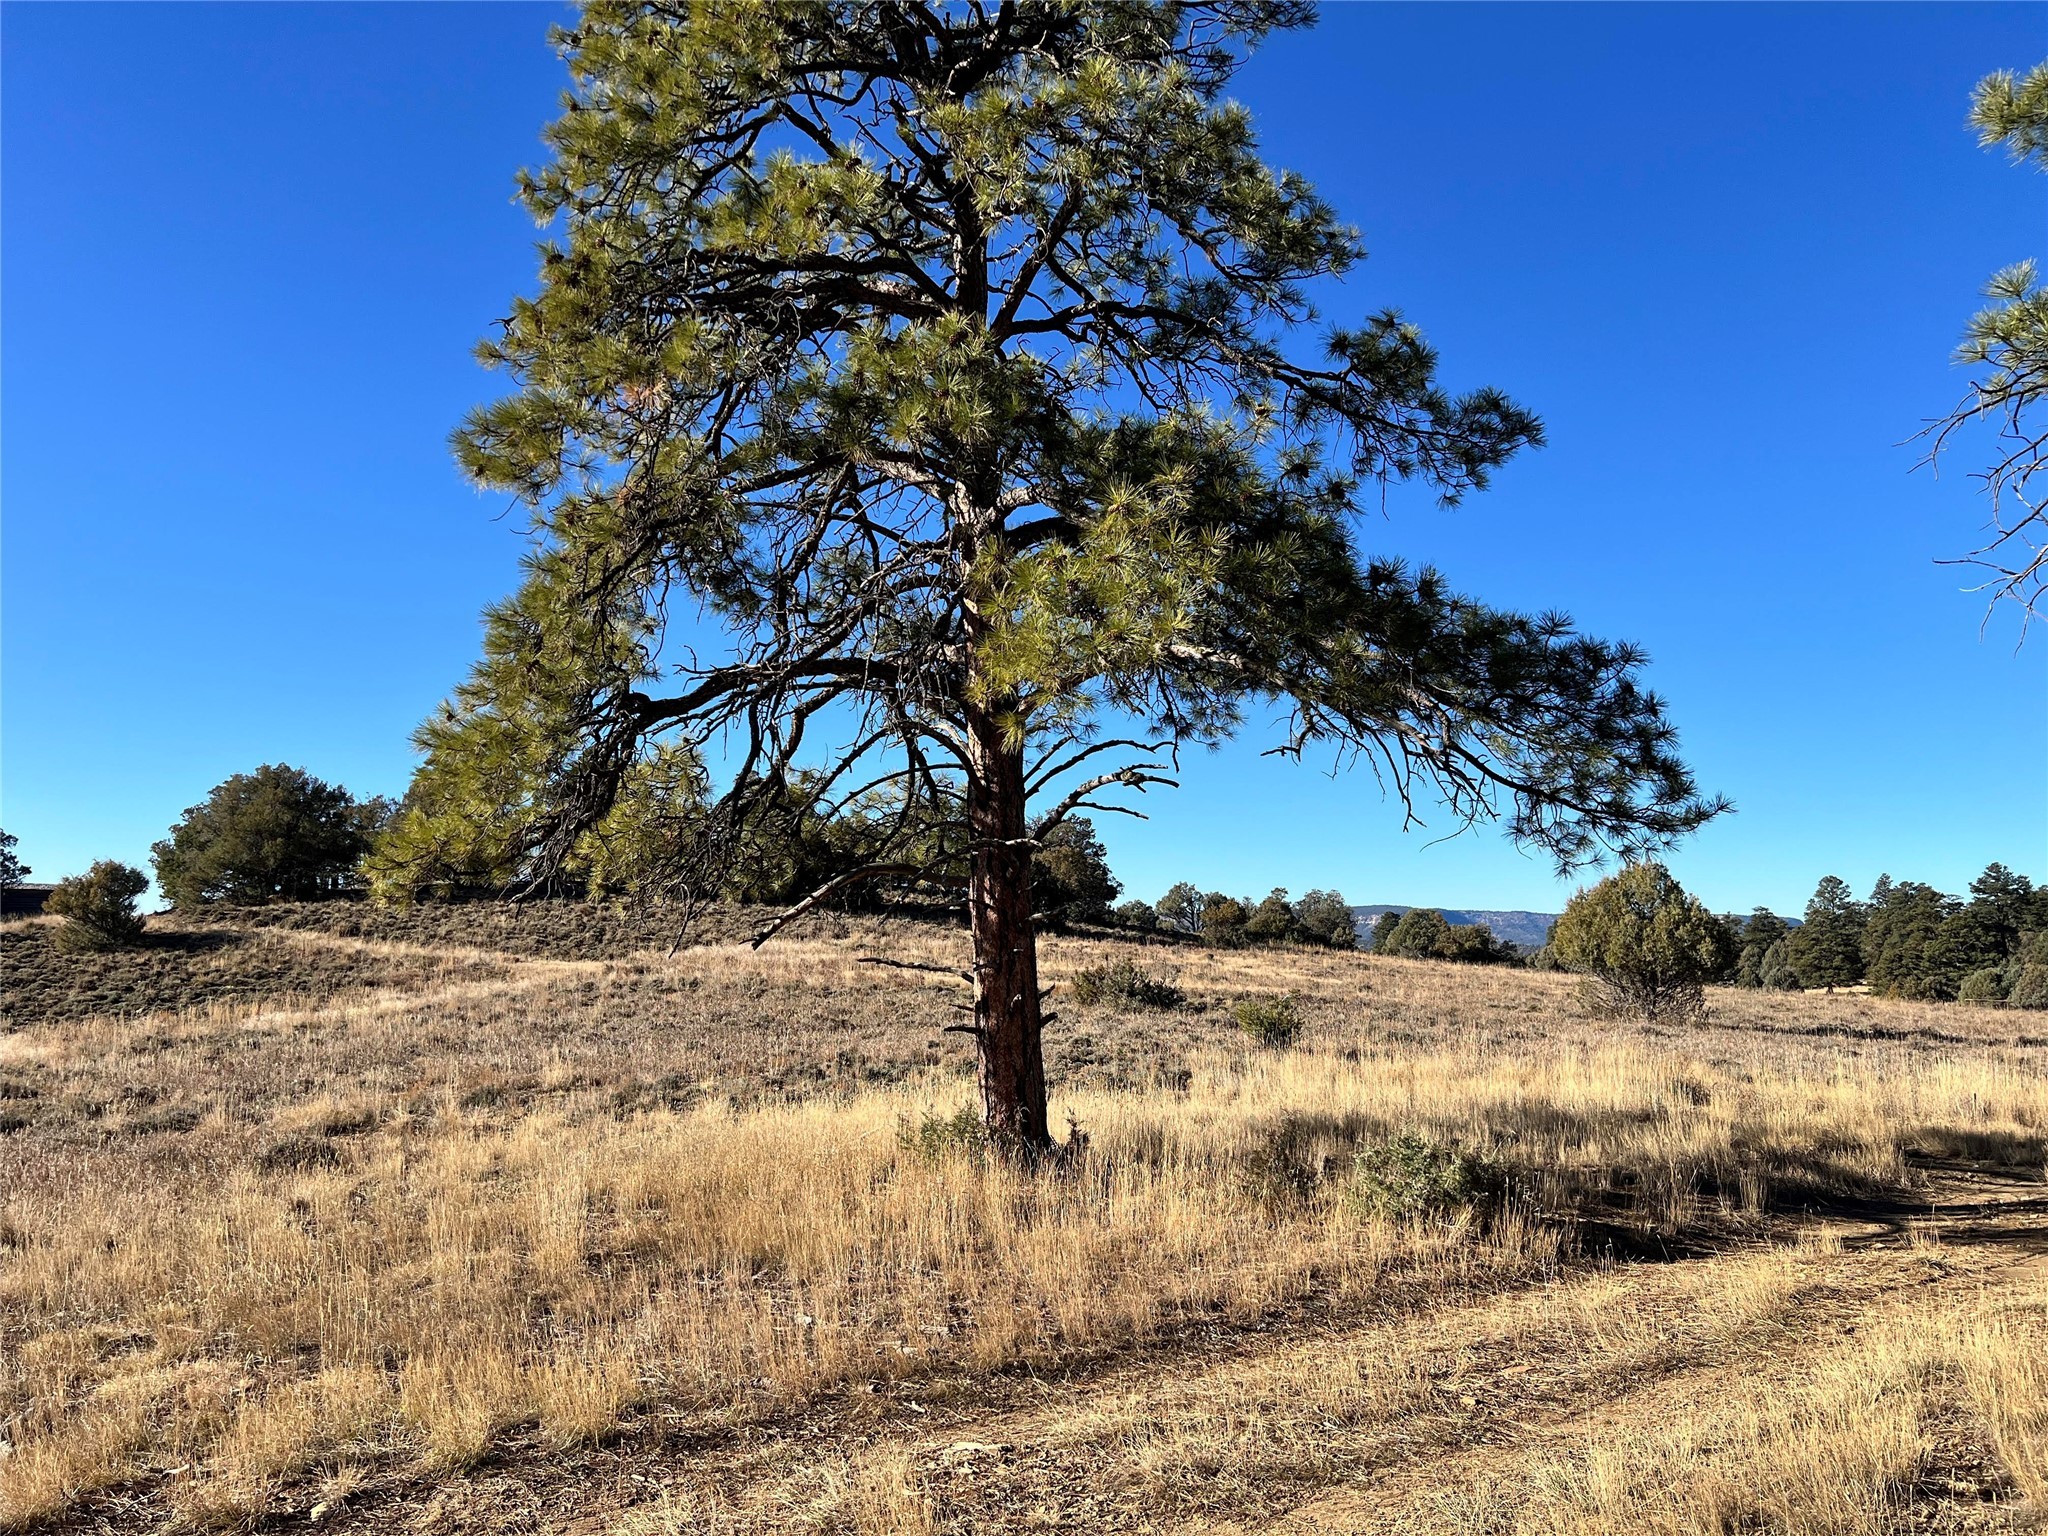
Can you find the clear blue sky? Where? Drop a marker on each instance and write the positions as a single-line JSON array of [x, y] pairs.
[[1723, 250]]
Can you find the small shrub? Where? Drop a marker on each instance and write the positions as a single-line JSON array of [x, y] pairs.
[[1274, 1022], [1281, 1175], [1987, 985], [934, 1136], [1122, 981], [1410, 1178], [99, 907]]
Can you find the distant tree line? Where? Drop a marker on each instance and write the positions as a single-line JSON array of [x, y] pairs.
[[1908, 940], [1649, 947], [281, 834], [1423, 933], [1322, 919]]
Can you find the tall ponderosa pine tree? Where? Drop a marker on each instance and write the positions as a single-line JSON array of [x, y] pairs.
[[1900, 937], [955, 358], [1826, 949]]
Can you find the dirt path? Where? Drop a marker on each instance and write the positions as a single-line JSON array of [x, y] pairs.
[[1415, 1495]]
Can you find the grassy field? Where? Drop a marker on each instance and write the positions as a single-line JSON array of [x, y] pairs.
[[467, 1220]]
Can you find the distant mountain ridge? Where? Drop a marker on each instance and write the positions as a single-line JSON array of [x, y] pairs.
[[1528, 929]]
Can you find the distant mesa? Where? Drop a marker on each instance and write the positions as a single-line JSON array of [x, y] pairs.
[[1528, 929]]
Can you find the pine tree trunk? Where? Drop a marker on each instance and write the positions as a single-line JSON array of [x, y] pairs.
[[1007, 1016]]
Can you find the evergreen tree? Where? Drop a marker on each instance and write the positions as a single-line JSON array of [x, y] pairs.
[[99, 907], [1137, 915], [1224, 920], [1475, 944], [1905, 918], [1383, 928], [1986, 987], [1181, 908], [1647, 946], [955, 361], [1326, 918], [2031, 989], [2002, 904], [1777, 973], [1421, 933], [650, 827], [12, 870], [1763, 929], [278, 834], [1070, 871], [1827, 949], [1272, 920], [1967, 939]]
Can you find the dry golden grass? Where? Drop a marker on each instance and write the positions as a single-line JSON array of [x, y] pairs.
[[258, 1256], [1838, 1450]]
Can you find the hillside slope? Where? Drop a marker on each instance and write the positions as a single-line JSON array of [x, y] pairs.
[[492, 1230]]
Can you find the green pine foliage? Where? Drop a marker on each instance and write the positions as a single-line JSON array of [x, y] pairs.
[[1776, 972], [1988, 985], [2030, 987], [99, 907], [12, 870], [1900, 938], [1136, 915], [1181, 908], [1325, 918], [1760, 931], [956, 367], [1272, 921], [1920, 943], [849, 325], [1071, 878], [1827, 948], [1421, 933], [1411, 1178], [2007, 344], [1273, 1022], [278, 834], [1225, 920], [1424, 933], [1127, 983], [1644, 944]]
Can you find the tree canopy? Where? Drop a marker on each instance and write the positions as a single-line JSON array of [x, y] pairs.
[[1826, 950], [278, 834], [960, 363], [1646, 943]]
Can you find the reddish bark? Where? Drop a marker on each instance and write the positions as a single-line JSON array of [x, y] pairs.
[[1008, 1017]]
